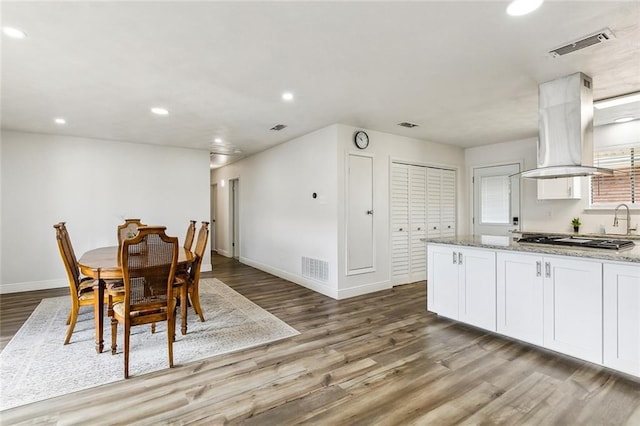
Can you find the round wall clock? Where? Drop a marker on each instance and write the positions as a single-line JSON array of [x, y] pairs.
[[361, 139]]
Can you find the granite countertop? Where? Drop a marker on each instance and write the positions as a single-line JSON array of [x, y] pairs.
[[510, 243]]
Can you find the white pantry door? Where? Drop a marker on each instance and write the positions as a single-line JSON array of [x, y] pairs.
[[360, 214]]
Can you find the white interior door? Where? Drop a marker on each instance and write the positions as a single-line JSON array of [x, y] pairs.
[[360, 214], [496, 199]]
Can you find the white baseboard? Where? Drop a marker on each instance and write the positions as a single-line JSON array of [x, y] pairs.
[[297, 279], [364, 289], [225, 253], [33, 286], [205, 268]]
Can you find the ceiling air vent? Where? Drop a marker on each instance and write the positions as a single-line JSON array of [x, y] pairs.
[[408, 125], [590, 40], [278, 127]]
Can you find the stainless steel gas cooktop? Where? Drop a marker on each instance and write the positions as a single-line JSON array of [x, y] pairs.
[[599, 243]]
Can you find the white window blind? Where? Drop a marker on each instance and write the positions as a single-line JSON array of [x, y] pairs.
[[621, 187], [495, 199]]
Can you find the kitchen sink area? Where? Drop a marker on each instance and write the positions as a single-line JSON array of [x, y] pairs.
[[579, 241]]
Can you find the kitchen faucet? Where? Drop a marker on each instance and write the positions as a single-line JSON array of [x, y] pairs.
[[628, 219]]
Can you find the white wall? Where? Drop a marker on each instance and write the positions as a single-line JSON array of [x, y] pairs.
[[386, 147], [92, 185], [279, 220], [555, 215]]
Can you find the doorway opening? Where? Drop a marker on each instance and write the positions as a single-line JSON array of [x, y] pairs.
[[213, 214]]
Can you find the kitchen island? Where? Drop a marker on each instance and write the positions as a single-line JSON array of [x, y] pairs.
[[577, 301]]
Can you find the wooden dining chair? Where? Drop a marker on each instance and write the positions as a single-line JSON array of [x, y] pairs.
[[148, 265], [189, 282], [128, 230], [191, 231], [80, 288]]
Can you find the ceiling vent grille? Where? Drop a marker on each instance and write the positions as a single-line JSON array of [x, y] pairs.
[[408, 125], [590, 40], [278, 127]]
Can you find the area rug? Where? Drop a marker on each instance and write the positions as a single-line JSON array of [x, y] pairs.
[[35, 365]]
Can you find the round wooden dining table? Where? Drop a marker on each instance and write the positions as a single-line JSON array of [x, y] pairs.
[[102, 264]]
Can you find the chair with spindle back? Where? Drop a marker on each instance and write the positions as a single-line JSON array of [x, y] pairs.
[[80, 288], [148, 265]]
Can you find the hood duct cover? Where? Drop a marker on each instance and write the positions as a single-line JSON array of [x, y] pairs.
[[565, 144]]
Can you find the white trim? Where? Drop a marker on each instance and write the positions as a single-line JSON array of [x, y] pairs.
[[206, 268], [33, 286], [363, 289], [296, 279]]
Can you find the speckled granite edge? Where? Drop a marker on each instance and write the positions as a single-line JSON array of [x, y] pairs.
[[509, 244]]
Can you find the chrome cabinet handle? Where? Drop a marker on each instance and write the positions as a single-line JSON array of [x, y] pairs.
[[459, 258], [455, 258], [547, 269], [538, 268]]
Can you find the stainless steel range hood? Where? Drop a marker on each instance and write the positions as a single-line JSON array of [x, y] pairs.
[[565, 144]]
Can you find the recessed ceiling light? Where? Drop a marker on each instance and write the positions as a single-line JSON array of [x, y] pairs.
[[14, 32], [624, 119], [60, 121], [287, 96], [522, 7], [159, 111], [218, 140], [618, 100]]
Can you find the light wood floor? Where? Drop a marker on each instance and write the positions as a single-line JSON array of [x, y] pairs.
[[378, 359]]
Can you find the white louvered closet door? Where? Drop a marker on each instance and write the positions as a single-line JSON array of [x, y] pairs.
[[417, 223], [448, 204], [434, 213], [399, 223], [441, 203]]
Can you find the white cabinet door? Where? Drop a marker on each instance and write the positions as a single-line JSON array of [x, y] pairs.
[[519, 296], [462, 284], [573, 307], [477, 288], [622, 317], [559, 189], [360, 214], [442, 281], [418, 222]]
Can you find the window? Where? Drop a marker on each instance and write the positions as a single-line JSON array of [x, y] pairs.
[[495, 199], [622, 186]]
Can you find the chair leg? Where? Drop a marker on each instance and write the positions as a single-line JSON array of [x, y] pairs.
[[195, 301], [171, 332], [73, 317], [153, 327], [114, 335], [110, 306], [127, 332], [183, 309], [69, 318]]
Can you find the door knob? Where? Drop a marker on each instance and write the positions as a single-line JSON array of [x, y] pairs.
[[369, 211]]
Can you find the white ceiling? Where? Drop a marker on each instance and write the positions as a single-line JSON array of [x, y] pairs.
[[466, 72]]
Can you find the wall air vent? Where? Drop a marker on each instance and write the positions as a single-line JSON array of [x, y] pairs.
[[590, 40], [315, 268], [408, 125], [278, 127]]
